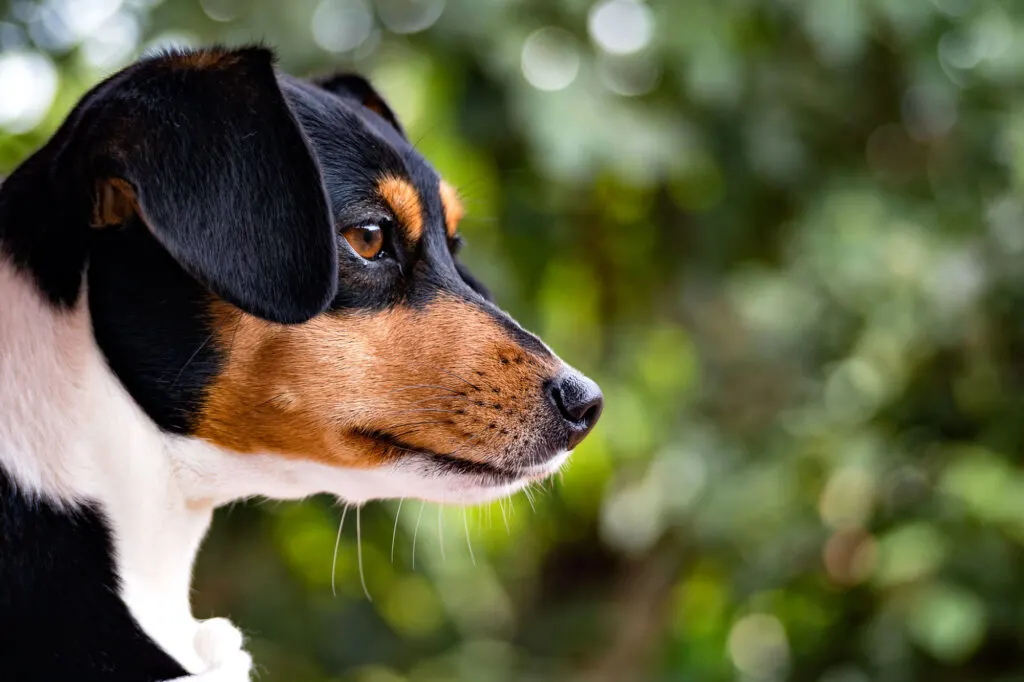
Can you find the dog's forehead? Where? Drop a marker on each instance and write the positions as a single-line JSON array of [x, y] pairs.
[[362, 155]]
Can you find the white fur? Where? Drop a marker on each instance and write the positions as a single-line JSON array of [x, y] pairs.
[[69, 432]]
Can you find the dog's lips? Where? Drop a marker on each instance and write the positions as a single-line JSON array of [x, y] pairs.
[[490, 474]]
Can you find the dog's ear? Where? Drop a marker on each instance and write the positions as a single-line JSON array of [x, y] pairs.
[[356, 88], [204, 148]]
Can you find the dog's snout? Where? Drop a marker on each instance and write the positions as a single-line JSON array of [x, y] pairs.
[[578, 401]]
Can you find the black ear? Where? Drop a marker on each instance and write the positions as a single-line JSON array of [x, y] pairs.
[[358, 89], [203, 146]]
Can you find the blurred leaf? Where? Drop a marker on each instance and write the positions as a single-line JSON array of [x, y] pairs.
[[947, 621]]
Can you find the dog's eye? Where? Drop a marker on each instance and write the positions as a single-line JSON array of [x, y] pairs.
[[366, 240]]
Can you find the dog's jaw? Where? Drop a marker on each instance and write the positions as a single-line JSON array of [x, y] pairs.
[[217, 476]]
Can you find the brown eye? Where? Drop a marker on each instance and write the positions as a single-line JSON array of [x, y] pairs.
[[366, 240]]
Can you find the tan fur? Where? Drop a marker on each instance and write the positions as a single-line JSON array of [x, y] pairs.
[[404, 201], [453, 210], [114, 202], [445, 378]]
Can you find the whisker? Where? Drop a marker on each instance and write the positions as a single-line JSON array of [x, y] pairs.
[[469, 543], [394, 531], [453, 375], [422, 137], [416, 533], [504, 516], [464, 445], [529, 498], [337, 542], [359, 553], [193, 357]]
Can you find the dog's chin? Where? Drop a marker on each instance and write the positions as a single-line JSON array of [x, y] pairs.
[[423, 474], [425, 477], [484, 486], [220, 476]]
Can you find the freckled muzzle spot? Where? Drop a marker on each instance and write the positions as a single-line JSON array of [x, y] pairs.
[[445, 379]]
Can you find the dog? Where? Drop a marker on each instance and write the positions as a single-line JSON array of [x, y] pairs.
[[218, 281]]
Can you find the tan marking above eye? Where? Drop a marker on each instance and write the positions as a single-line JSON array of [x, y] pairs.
[[453, 210], [405, 203], [366, 240]]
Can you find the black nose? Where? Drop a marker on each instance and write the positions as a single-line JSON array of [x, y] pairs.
[[579, 403]]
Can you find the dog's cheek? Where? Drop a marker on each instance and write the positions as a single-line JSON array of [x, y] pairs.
[[282, 389]]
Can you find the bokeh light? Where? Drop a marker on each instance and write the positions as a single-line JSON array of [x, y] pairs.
[[550, 59], [758, 646], [342, 25], [29, 81], [621, 26]]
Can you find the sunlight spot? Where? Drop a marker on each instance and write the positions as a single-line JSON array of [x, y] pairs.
[[342, 25], [409, 16], [29, 83], [621, 26], [758, 646], [550, 59]]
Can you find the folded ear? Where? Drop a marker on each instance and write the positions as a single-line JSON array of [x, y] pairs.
[[358, 89], [203, 147]]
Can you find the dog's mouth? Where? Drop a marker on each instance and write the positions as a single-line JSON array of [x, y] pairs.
[[442, 464]]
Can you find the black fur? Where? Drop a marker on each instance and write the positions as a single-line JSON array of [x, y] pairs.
[[60, 614], [150, 318], [222, 173], [359, 90]]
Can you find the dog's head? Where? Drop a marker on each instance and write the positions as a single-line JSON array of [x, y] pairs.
[[272, 268]]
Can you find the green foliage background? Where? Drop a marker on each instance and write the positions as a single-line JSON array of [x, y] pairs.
[[785, 236]]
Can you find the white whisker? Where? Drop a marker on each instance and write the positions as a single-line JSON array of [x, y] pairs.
[[394, 531], [529, 498], [337, 542], [469, 543], [504, 515], [416, 533], [359, 553]]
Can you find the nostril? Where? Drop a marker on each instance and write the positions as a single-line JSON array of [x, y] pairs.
[[592, 412], [559, 400], [578, 401]]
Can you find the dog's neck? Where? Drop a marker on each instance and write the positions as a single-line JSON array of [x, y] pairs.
[[69, 434]]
